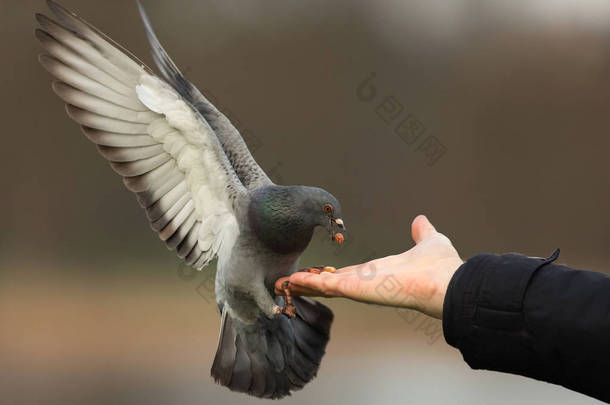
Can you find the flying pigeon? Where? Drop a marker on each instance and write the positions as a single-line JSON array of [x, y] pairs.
[[205, 196]]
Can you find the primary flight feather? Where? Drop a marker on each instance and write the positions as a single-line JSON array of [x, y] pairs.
[[205, 196]]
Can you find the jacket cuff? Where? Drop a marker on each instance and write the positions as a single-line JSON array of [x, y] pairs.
[[485, 296]]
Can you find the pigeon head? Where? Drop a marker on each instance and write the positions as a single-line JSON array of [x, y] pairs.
[[284, 217]]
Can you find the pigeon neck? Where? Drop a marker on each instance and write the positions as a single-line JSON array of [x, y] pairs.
[[278, 216]]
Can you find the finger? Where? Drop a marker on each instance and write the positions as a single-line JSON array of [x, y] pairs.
[[295, 289], [317, 285], [421, 228], [364, 270], [349, 269]]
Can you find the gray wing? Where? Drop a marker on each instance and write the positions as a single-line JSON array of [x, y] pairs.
[[248, 171], [164, 150]]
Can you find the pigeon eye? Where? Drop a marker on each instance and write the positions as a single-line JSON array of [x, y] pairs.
[[328, 209]]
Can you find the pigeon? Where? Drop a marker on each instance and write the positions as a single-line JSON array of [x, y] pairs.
[[204, 195]]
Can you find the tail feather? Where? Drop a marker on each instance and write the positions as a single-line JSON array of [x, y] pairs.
[[226, 345], [242, 374], [274, 356], [259, 374], [274, 353], [308, 340]]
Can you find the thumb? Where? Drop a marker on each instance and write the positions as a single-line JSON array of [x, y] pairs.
[[421, 228]]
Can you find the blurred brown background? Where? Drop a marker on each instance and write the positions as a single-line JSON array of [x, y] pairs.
[[94, 310]]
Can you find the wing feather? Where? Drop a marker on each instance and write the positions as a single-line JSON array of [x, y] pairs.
[[182, 233], [167, 154], [193, 256], [171, 213], [111, 139], [152, 179], [100, 106], [139, 167], [86, 84], [249, 172], [123, 154], [186, 245], [170, 190]]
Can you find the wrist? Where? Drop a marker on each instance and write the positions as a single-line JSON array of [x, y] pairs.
[[440, 277]]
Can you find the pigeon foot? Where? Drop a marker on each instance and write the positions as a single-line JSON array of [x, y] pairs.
[[289, 310]]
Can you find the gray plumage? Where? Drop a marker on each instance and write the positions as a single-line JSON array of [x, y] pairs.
[[248, 171], [205, 196]]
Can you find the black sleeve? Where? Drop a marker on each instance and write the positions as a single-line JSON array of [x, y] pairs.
[[528, 316]]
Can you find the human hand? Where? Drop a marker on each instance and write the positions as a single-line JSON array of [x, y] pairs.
[[415, 279]]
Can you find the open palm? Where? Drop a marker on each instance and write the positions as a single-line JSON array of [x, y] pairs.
[[415, 279]]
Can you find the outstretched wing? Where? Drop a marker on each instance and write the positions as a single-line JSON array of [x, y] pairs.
[[248, 171], [166, 152]]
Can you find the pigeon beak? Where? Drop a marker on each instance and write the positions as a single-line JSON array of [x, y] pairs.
[[339, 223], [336, 236]]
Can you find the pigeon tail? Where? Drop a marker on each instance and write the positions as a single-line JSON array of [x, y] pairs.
[[272, 357]]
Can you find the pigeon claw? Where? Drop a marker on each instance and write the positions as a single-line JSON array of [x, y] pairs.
[[289, 310]]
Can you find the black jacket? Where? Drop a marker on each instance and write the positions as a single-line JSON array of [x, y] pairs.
[[528, 316]]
